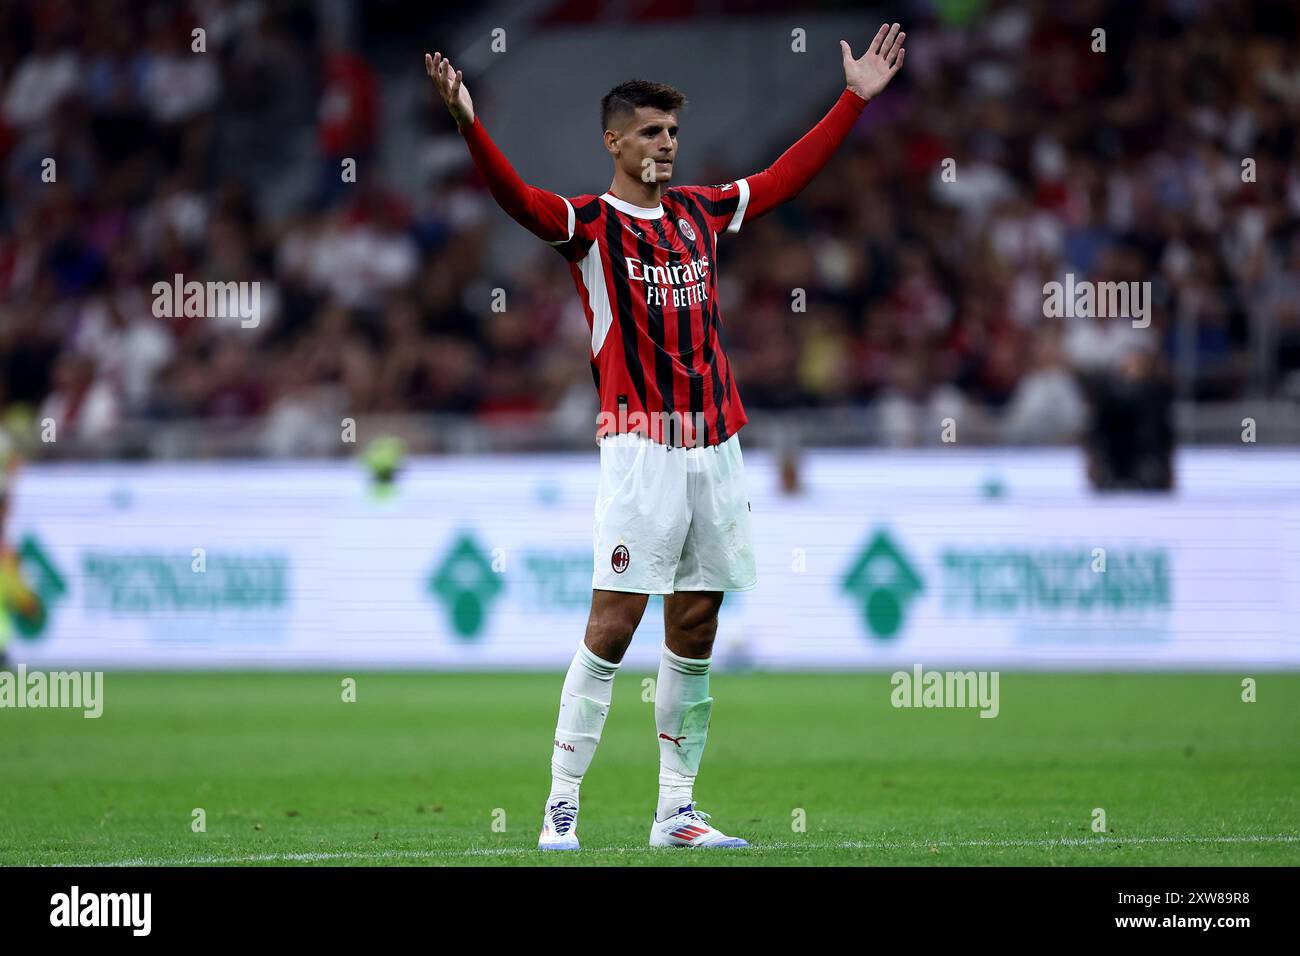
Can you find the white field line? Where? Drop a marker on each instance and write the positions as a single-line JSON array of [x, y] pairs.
[[792, 845]]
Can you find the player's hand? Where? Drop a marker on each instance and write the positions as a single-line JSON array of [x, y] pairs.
[[451, 88], [871, 73]]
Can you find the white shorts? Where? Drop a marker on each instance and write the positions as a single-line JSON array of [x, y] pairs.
[[672, 519]]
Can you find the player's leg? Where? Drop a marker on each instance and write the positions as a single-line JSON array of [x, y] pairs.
[[589, 687], [612, 622], [682, 709], [717, 556], [682, 701], [641, 519], [584, 705]]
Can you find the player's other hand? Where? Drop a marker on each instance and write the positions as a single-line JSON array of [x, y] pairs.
[[871, 73], [451, 88]]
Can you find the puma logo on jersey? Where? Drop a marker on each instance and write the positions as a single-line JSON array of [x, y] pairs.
[[674, 740]]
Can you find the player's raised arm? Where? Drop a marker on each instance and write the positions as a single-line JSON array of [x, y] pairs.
[[541, 212], [864, 78]]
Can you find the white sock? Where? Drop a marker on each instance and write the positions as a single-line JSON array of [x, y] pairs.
[[682, 707], [584, 704]]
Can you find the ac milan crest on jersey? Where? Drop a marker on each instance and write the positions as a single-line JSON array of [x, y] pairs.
[[685, 228], [620, 559]]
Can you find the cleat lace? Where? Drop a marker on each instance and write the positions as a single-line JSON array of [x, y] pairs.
[[562, 816], [691, 813]]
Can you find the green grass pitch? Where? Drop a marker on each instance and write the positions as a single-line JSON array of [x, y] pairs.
[[421, 766]]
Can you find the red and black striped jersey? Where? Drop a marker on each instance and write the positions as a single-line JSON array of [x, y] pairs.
[[647, 278]]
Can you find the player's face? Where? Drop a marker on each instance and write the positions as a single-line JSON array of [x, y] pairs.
[[649, 141]]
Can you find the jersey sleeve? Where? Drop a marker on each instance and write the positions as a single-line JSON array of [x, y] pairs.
[[582, 215], [541, 212], [796, 167]]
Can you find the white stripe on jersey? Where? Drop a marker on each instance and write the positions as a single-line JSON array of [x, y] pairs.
[[593, 279], [560, 242], [743, 188]]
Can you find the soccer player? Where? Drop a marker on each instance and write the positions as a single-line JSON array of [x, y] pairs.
[[672, 512]]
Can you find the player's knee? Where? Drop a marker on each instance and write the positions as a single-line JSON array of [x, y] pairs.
[[612, 623], [700, 644], [610, 630], [693, 635]]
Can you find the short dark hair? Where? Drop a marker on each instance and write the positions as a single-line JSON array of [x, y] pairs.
[[623, 100]]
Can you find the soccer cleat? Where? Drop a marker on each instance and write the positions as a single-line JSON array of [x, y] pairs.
[[689, 827], [559, 827]]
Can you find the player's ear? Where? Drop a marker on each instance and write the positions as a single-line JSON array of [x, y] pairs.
[[611, 142]]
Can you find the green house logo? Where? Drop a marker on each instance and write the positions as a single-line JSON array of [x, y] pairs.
[[43, 577], [466, 585], [883, 582]]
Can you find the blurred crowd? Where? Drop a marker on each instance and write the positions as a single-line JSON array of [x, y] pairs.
[[1008, 154]]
